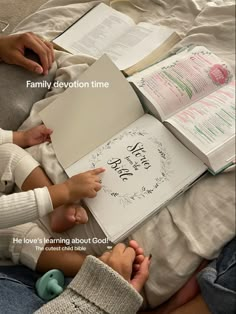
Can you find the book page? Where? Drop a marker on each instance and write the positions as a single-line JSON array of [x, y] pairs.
[[83, 118], [137, 43], [145, 167], [180, 80], [95, 31], [210, 122]]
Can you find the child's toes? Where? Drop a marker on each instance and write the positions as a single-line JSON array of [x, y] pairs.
[[81, 216]]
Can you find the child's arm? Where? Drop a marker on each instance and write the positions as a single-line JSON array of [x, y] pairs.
[[33, 136], [55, 256]]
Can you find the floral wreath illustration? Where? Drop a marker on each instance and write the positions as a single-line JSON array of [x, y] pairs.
[[165, 162]]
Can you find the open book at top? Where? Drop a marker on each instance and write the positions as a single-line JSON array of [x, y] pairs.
[[104, 30]]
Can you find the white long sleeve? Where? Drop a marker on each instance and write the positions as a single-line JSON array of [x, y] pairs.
[[23, 207], [20, 208], [16, 165], [23, 243], [6, 136]]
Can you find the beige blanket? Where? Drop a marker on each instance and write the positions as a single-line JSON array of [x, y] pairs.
[[200, 222]]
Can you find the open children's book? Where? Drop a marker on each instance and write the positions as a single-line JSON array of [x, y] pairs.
[[105, 30], [146, 165]]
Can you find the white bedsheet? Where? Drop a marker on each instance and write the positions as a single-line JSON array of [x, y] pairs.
[[200, 222]]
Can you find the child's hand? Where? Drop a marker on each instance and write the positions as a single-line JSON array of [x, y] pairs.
[[31, 137], [120, 259], [141, 276], [139, 255], [123, 259], [83, 185], [141, 265], [37, 135]]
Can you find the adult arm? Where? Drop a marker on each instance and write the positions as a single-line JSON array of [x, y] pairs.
[[97, 289]]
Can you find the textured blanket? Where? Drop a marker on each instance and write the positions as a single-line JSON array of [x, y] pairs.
[[201, 221]]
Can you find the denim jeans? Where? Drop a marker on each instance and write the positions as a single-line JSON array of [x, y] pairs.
[[218, 281], [17, 290]]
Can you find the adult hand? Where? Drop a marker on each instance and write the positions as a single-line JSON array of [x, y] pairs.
[[12, 51], [122, 259], [33, 136]]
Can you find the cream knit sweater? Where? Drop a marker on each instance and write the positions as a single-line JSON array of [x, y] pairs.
[[96, 289], [18, 243]]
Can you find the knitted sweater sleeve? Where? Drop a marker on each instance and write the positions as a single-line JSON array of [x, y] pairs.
[[96, 289]]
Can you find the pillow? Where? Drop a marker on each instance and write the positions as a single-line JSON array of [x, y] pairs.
[[16, 99]]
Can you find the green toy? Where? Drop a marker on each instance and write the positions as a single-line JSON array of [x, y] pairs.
[[50, 285]]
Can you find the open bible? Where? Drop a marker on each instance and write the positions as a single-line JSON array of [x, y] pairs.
[[146, 166], [193, 94], [104, 30]]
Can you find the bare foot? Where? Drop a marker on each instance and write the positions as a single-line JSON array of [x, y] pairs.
[[67, 216]]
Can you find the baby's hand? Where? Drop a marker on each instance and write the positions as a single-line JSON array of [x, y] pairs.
[[141, 266], [85, 184], [139, 258], [33, 136], [122, 259]]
